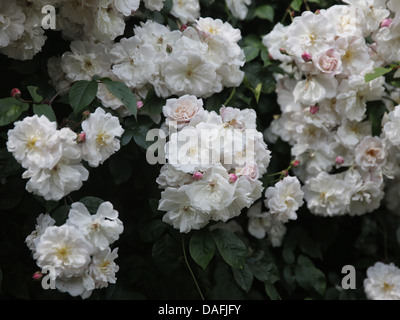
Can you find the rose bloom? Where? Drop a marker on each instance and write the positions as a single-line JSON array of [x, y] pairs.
[[249, 170], [329, 62], [182, 110]]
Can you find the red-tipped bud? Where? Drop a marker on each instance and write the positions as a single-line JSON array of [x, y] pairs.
[[233, 178], [139, 104], [81, 138], [295, 163], [339, 160], [386, 23], [37, 275], [306, 57], [183, 27], [197, 176], [15, 93], [317, 11], [314, 109]]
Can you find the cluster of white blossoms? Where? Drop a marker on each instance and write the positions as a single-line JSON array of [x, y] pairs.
[[53, 157], [214, 163], [200, 60], [382, 282], [78, 253], [283, 200], [21, 32], [323, 98]]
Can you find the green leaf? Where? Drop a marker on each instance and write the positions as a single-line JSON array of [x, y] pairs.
[[257, 92], [308, 276], [153, 104], [271, 291], [138, 130], [51, 205], [243, 277], [81, 94], [166, 253], [231, 248], [46, 110], [123, 93], [251, 52], [10, 110], [91, 203], [151, 230], [60, 215], [202, 248], [263, 267], [265, 12], [378, 72], [296, 4], [36, 97]]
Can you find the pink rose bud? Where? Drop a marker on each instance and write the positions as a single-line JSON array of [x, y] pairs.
[[386, 23], [139, 104], [306, 57], [37, 275], [197, 176], [15, 93], [183, 27], [285, 173], [233, 178], [339, 160], [295, 163], [314, 109], [317, 11], [81, 138]]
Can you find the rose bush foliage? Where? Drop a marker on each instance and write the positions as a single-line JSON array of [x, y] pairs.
[[77, 191]]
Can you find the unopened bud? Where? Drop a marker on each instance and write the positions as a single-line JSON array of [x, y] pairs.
[[81, 138], [284, 173], [317, 11], [314, 109], [282, 50], [339, 160], [295, 163], [37, 275], [139, 104], [15, 93], [233, 178], [169, 49], [386, 23], [197, 176], [183, 27], [86, 114], [306, 57]]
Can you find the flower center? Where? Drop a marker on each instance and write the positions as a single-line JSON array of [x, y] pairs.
[[87, 64], [387, 287], [102, 138], [184, 112], [31, 143], [104, 265], [62, 253]]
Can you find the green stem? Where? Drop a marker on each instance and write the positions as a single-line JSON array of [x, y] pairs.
[[190, 269]]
